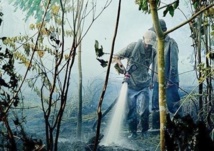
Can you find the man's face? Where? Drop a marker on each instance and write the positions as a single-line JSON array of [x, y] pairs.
[[148, 47]]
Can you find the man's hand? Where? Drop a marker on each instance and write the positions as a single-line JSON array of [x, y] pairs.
[[117, 60]]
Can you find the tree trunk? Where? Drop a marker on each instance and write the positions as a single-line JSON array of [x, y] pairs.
[[200, 88], [161, 76], [99, 111], [79, 118], [79, 121], [208, 63]]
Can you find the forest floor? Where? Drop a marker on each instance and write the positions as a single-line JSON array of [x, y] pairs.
[[148, 143]]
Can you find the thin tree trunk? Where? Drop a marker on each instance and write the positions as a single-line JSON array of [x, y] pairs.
[[200, 88], [99, 111], [161, 76], [10, 134], [79, 118], [208, 79], [79, 121]]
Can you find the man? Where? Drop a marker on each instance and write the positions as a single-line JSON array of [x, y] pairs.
[[140, 56], [171, 78]]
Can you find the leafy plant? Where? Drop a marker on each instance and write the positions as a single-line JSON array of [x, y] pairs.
[[184, 134], [99, 51]]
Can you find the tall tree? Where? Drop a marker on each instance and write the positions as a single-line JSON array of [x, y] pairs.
[[152, 6], [52, 83], [79, 119], [99, 110], [161, 68]]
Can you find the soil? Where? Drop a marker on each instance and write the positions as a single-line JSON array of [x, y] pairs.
[[150, 142]]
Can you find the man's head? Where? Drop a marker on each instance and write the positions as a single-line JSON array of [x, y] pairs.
[[149, 38], [162, 24]]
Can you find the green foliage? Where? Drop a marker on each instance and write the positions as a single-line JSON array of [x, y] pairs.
[[143, 5], [205, 72], [196, 4], [103, 63], [9, 95], [176, 4], [171, 8], [32, 7], [7, 65], [195, 135], [99, 51]]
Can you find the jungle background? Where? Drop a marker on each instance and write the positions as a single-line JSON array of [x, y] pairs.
[[51, 80]]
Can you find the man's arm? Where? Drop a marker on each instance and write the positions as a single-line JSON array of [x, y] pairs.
[[124, 53]]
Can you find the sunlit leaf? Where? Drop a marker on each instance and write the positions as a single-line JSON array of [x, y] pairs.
[[66, 56], [38, 25], [40, 53], [32, 26], [210, 55], [55, 9]]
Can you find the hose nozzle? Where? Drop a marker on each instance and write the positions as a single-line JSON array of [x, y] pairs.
[[128, 72], [126, 77]]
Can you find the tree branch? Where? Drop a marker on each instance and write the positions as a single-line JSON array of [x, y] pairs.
[[187, 21]]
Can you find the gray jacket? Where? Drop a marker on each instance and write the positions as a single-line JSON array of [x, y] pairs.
[[139, 62], [171, 61]]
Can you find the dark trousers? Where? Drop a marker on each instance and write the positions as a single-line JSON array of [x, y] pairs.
[[172, 98], [138, 110]]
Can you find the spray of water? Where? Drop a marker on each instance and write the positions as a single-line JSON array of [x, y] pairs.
[[113, 131]]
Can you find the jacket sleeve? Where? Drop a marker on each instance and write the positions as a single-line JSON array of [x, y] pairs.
[[126, 52], [173, 74]]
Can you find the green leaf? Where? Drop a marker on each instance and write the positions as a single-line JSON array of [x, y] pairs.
[[176, 4], [143, 5], [103, 63], [171, 10], [165, 12], [195, 5], [99, 51]]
